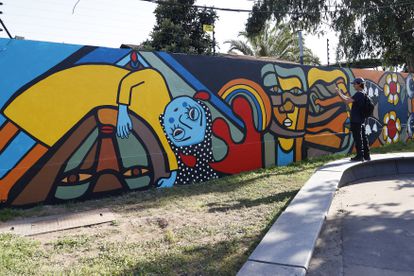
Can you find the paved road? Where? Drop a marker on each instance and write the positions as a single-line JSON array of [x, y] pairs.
[[369, 231]]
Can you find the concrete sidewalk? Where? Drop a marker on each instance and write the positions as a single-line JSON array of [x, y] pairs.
[[288, 246], [369, 230]]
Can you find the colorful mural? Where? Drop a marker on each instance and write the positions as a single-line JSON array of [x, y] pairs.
[[78, 122]]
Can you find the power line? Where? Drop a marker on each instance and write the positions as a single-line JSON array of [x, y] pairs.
[[4, 25], [328, 10]]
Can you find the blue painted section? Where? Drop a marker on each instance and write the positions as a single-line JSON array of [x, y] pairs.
[[14, 152], [23, 60], [283, 158], [127, 59], [104, 55], [123, 61], [142, 61], [256, 103], [2, 120], [197, 85], [184, 73]]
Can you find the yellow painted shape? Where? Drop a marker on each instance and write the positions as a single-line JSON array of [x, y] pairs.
[[316, 74], [286, 143], [289, 83], [50, 108], [294, 117]]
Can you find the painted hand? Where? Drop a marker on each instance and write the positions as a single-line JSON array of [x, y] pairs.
[[167, 182], [124, 123]]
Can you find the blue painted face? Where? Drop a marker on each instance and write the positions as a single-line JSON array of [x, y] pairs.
[[185, 121]]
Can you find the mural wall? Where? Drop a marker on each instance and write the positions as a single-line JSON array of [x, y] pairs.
[[78, 121]]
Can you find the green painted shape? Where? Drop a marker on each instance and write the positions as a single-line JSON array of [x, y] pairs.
[[71, 192], [139, 182], [175, 83], [132, 152], [270, 150], [270, 80], [83, 150], [219, 149]]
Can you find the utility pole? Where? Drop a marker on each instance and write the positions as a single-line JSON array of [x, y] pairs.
[[300, 47], [214, 41], [2, 23], [327, 49]]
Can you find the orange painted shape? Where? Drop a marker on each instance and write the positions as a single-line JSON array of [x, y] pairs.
[[107, 116], [325, 139], [7, 132], [17, 172], [298, 148], [336, 125], [329, 101]]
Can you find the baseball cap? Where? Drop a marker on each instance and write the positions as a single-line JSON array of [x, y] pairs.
[[358, 81]]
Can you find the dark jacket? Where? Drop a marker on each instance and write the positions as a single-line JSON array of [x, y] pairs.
[[357, 108]]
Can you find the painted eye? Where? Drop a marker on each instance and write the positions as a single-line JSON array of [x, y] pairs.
[[76, 178], [177, 133], [193, 114], [135, 172]]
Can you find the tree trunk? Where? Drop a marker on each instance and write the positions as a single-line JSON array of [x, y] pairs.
[[410, 64]]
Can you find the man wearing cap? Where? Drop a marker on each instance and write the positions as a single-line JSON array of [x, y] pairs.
[[357, 120]]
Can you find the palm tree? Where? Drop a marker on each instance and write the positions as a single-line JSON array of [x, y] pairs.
[[274, 41]]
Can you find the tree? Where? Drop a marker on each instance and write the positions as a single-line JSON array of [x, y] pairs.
[[367, 28], [273, 41], [179, 28]]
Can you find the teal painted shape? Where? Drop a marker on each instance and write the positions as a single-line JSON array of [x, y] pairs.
[[132, 152], [71, 192], [77, 158], [139, 182], [219, 149], [177, 86], [269, 150]]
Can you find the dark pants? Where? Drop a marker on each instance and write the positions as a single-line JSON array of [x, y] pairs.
[[360, 139]]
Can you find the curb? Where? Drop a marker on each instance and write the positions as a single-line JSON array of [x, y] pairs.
[[287, 247]]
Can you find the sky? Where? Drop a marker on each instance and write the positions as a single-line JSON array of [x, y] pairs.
[[112, 23]]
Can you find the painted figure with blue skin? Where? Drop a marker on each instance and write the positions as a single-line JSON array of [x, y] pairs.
[[187, 125]]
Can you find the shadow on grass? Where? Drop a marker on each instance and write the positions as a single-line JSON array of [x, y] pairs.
[[247, 203], [154, 198], [222, 258]]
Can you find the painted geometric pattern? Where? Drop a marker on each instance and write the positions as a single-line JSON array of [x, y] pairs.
[[78, 122]]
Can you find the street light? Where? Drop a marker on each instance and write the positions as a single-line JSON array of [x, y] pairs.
[[300, 47]]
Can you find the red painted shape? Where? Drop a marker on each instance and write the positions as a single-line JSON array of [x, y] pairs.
[[202, 95], [107, 158], [392, 129], [188, 160], [107, 129], [393, 88], [134, 57], [243, 156]]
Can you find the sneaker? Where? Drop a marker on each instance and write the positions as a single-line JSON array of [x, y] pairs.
[[367, 158], [357, 158]]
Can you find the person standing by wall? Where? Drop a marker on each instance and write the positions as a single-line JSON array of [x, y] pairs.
[[357, 119]]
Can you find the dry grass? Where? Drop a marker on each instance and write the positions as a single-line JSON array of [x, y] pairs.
[[201, 229]]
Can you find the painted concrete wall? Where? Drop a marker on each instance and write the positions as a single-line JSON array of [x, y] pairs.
[[79, 121]]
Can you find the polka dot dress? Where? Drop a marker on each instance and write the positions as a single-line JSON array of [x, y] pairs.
[[203, 153]]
